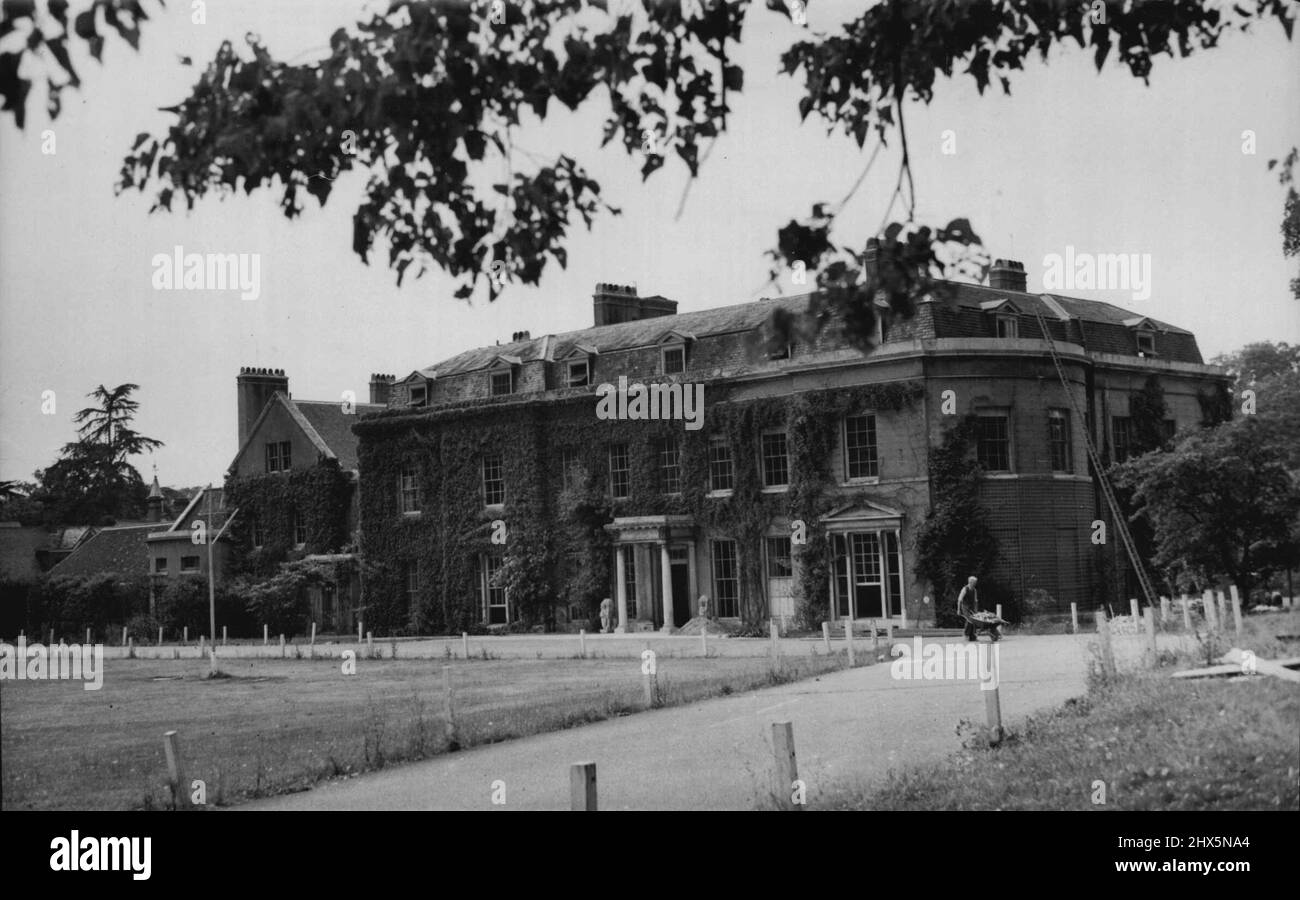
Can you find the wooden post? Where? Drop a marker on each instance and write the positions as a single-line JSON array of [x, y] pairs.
[[826, 636], [772, 631], [1211, 616], [176, 771], [1222, 610], [159, 635], [649, 678], [997, 610], [1164, 610], [448, 706], [266, 635], [704, 639], [787, 769], [1107, 652], [1133, 607], [359, 631], [282, 645], [1187, 613], [1074, 618], [87, 637], [1153, 654], [582, 787], [848, 638], [212, 660], [1236, 610], [223, 635], [123, 635], [889, 631], [185, 635], [313, 634], [464, 643], [51, 637], [582, 641], [130, 648], [370, 645], [875, 638], [993, 712]]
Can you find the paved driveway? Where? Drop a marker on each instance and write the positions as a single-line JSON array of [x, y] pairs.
[[848, 726]]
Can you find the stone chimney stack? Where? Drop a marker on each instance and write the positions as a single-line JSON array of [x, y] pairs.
[[381, 388], [1007, 275], [253, 389], [614, 303]]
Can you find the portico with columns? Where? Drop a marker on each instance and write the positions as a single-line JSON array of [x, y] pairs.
[[655, 571]]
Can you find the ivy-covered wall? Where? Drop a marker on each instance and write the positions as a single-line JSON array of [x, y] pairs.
[[553, 537], [321, 494]]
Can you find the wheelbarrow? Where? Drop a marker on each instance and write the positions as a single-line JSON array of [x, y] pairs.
[[985, 623]]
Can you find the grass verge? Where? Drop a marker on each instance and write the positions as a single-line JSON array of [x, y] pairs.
[[276, 726], [1138, 741]]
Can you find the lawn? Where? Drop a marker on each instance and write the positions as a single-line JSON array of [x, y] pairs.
[[282, 725], [1156, 743]]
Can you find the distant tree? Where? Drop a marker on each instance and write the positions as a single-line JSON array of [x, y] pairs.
[[92, 481], [1271, 372], [17, 503], [1221, 503], [109, 423], [1260, 361]]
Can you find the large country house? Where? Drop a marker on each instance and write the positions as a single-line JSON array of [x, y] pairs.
[[493, 490]]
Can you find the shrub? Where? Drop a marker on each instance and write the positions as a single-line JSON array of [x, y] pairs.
[[72, 603]]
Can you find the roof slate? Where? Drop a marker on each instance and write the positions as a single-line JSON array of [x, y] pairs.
[[120, 549], [1100, 321], [335, 426]]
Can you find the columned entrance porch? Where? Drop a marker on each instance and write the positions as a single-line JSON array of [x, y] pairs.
[[867, 562], [654, 571]]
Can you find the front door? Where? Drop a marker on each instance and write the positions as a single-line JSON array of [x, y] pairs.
[[868, 577], [867, 581]]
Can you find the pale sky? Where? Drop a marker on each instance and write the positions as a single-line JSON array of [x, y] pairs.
[[1099, 162]]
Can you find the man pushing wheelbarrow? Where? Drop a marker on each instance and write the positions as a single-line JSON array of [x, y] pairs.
[[977, 622]]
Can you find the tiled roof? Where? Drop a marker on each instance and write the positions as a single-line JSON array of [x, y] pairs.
[[1095, 311], [641, 333], [335, 426], [120, 549], [746, 316]]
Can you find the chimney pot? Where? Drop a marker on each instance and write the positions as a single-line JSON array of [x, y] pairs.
[[1008, 275]]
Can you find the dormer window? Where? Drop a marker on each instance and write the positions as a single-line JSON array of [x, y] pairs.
[[503, 383], [785, 351], [419, 395], [579, 373], [1006, 317], [674, 359], [1144, 333]]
